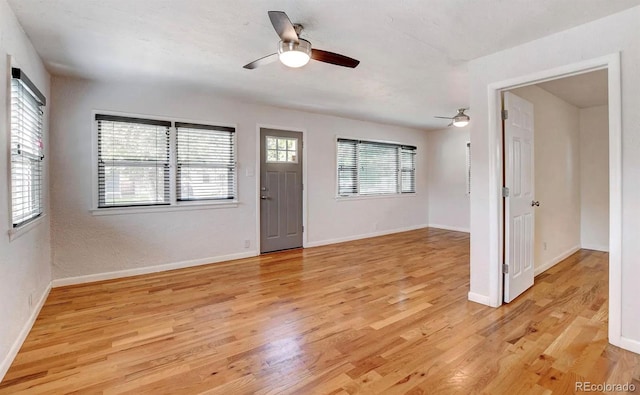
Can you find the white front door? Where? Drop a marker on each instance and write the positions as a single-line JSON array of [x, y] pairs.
[[520, 203]]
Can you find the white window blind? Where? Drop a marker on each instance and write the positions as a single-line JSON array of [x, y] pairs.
[[378, 168], [347, 167], [373, 168], [27, 150], [133, 161], [206, 163], [408, 169]]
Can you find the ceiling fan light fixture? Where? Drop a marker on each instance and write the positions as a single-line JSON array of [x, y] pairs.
[[293, 54], [461, 119]]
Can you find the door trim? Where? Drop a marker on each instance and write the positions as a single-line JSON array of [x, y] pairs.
[[496, 242], [305, 239]]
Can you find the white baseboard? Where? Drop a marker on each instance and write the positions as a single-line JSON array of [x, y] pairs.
[[363, 236], [596, 247], [629, 344], [89, 278], [552, 262], [447, 227], [482, 299], [22, 336]]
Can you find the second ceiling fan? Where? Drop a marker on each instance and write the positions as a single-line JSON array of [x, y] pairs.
[[459, 120], [294, 51]]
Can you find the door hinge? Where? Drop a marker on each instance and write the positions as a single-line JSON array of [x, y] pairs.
[[302, 228], [505, 115], [505, 268], [505, 192]]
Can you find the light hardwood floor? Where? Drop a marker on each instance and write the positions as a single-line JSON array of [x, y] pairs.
[[383, 315]]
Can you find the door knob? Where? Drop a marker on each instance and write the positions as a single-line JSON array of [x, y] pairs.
[[535, 203], [264, 197]]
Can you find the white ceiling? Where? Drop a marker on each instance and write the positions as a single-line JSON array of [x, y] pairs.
[[413, 53], [583, 90]]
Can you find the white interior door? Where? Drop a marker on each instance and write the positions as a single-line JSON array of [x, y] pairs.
[[520, 203]]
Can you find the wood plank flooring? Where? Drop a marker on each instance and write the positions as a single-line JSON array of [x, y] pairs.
[[385, 315]]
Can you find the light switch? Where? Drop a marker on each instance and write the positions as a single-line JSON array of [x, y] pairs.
[[249, 172]]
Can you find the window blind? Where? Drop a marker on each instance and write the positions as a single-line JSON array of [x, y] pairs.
[[347, 167], [206, 163], [27, 150], [133, 161], [374, 168], [378, 168], [408, 169]]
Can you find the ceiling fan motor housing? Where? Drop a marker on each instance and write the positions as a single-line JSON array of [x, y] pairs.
[[461, 119], [294, 54]]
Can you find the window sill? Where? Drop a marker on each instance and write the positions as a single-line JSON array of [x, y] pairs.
[[373, 197], [14, 233], [162, 209]]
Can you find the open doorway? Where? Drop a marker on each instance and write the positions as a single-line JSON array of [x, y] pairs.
[[496, 240], [556, 163]]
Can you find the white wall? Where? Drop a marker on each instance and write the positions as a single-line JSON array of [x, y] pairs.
[[25, 261], [557, 176], [447, 165], [619, 32], [594, 176], [85, 244]]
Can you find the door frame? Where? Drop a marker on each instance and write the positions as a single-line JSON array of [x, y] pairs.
[[496, 240], [304, 179]]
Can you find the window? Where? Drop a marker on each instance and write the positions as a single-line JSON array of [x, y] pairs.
[[408, 170], [372, 168], [205, 162], [27, 149], [282, 150], [468, 151], [347, 167], [135, 162]]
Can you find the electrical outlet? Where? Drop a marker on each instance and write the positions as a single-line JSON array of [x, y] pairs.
[[30, 300], [247, 243], [544, 245]]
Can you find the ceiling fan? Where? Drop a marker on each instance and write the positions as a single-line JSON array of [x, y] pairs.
[[294, 51], [459, 120]]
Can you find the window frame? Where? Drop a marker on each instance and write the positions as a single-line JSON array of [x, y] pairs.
[[139, 163], [358, 195], [174, 204], [286, 150], [17, 229], [178, 163], [401, 169]]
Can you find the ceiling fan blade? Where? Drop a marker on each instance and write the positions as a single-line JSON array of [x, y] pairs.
[[262, 61], [333, 58], [443, 117], [283, 26]]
